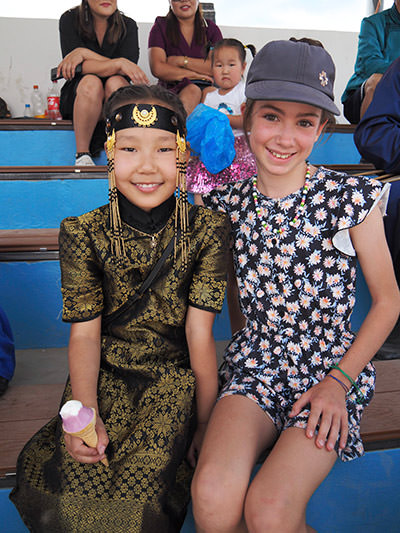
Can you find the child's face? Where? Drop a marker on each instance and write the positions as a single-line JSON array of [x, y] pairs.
[[145, 165], [227, 68], [282, 135]]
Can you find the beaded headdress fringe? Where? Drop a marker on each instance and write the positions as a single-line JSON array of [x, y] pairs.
[[145, 116], [181, 210], [117, 240]]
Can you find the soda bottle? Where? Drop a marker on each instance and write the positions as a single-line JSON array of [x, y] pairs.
[[53, 102], [38, 109]]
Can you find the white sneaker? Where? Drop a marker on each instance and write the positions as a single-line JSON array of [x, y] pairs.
[[84, 161]]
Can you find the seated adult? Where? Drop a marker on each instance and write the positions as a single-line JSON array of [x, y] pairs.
[[378, 47], [97, 36], [377, 136], [177, 51], [7, 352]]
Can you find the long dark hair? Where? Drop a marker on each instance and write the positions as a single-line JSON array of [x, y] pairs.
[[131, 94], [116, 24], [173, 31]]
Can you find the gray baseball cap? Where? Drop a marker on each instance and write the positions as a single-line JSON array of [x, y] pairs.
[[293, 72]]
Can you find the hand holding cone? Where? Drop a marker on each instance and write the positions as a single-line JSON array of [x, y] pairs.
[[73, 414]]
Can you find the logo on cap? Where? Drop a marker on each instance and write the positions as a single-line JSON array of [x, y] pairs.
[[323, 78]]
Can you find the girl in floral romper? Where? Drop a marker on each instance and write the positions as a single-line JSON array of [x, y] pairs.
[[296, 378]]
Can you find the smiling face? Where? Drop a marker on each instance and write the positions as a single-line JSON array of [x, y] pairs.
[[102, 8], [184, 9], [227, 68], [145, 165], [282, 135]]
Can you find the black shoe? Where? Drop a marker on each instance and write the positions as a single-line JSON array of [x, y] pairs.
[[3, 385]]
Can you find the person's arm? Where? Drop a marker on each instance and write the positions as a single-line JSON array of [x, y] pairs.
[[236, 121], [327, 398], [106, 67], [201, 66], [84, 365], [93, 63], [377, 136], [163, 69], [82, 292], [79, 55], [193, 64], [203, 361], [370, 54], [369, 241]]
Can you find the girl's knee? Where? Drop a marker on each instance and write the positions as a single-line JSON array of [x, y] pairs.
[[206, 490], [270, 513], [216, 500]]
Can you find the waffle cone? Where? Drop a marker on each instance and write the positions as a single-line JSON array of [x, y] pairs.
[[88, 435]]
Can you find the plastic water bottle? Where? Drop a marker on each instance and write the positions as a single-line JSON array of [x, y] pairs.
[[28, 111], [38, 108], [53, 102]]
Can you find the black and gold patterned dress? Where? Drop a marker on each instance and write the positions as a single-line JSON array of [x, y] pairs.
[[145, 386]]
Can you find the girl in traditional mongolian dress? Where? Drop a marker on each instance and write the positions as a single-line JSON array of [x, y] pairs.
[[141, 350]]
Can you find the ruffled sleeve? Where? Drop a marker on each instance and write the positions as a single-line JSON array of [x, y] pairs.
[[81, 275], [207, 289], [356, 199]]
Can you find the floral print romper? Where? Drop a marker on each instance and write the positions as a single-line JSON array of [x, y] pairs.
[[297, 292]]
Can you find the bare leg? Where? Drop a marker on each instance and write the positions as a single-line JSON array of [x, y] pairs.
[[237, 433], [369, 90], [278, 496], [87, 110], [190, 97], [112, 84]]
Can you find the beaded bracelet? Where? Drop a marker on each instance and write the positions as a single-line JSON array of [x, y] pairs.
[[351, 380], [343, 385]]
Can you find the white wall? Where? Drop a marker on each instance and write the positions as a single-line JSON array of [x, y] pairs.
[[30, 48]]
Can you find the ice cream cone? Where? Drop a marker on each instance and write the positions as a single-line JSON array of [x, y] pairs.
[[88, 435]]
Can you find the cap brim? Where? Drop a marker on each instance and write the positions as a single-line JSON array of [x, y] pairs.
[[287, 91]]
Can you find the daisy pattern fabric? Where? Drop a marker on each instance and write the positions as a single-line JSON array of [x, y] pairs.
[[297, 292]]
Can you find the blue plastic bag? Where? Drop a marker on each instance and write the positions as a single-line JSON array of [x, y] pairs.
[[210, 136]]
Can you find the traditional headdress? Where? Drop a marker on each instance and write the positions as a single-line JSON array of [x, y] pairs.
[[148, 116]]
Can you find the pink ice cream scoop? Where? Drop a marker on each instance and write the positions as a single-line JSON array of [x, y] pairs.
[[75, 416]]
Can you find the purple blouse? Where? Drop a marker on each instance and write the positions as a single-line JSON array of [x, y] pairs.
[[158, 38]]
